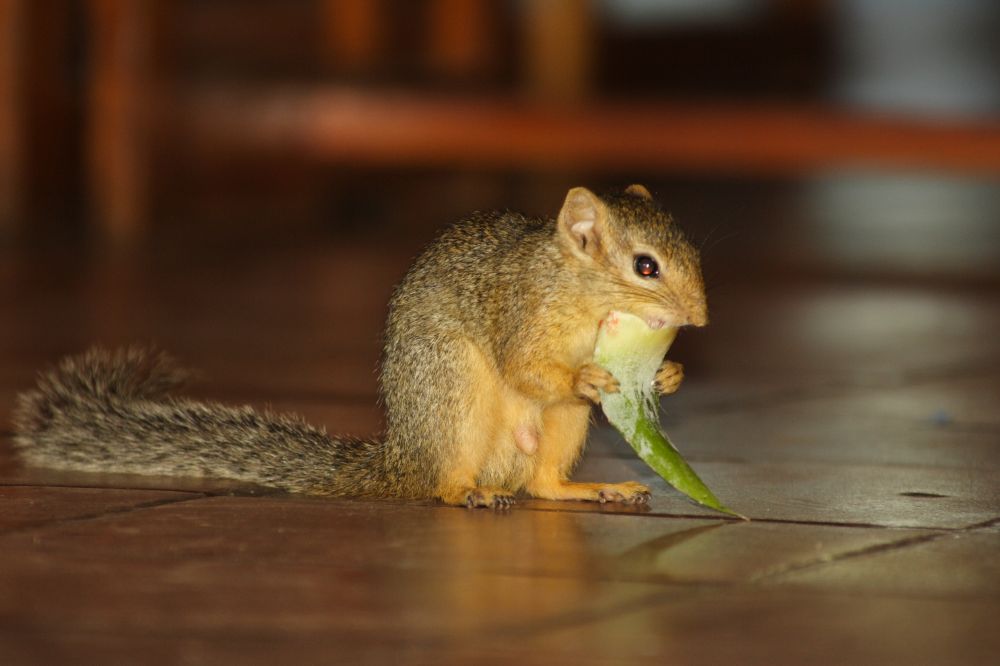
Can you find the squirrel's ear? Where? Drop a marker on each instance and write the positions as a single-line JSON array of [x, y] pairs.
[[637, 190], [582, 220]]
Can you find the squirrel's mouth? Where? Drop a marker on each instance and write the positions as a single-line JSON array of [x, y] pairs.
[[671, 319], [658, 319]]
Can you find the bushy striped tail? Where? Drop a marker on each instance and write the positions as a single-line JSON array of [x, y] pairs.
[[111, 411]]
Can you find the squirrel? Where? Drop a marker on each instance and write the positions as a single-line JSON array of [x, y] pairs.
[[487, 373]]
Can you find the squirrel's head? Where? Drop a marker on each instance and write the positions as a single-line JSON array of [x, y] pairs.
[[634, 255]]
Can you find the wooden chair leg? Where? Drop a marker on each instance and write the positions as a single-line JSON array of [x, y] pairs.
[[13, 19], [354, 32], [559, 49], [118, 115], [460, 43]]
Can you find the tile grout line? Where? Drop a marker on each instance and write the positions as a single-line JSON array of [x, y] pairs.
[[769, 521], [152, 504], [874, 549], [848, 555], [986, 524], [203, 494]]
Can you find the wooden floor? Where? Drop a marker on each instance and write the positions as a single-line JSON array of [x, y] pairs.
[[855, 419]]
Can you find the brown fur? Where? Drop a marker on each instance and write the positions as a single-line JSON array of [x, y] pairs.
[[487, 375]]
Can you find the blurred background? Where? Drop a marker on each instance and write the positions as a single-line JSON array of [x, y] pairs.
[[852, 136], [228, 178]]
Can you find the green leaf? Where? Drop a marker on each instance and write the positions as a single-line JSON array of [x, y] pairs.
[[632, 352]]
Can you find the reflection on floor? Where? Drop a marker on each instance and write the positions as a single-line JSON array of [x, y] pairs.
[[850, 411]]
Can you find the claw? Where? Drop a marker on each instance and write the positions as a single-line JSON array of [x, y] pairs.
[[489, 498], [668, 378], [625, 493], [639, 498], [591, 379]]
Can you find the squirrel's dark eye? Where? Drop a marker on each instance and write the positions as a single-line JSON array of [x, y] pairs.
[[646, 266]]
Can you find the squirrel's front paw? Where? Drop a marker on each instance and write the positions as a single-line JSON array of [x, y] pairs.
[[591, 379], [668, 377]]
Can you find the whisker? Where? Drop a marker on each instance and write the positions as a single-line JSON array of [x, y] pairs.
[[706, 248], [708, 237]]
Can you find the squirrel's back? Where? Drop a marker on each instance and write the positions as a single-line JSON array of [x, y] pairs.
[[475, 267]]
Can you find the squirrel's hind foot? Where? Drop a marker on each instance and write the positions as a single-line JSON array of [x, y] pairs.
[[491, 498], [628, 492]]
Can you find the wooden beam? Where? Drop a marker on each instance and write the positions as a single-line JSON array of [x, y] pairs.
[[399, 129]]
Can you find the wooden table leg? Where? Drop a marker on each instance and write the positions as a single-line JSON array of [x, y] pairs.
[[460, 43], [559, 49], [118, 115], [12, 102], [354, 32]]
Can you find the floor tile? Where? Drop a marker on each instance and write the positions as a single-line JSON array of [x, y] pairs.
[[861, 333], [32, 506], [772, 627], [891, 496], [219, 576], [956, 565], [945, 423], [299, 573], [424, 537]]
